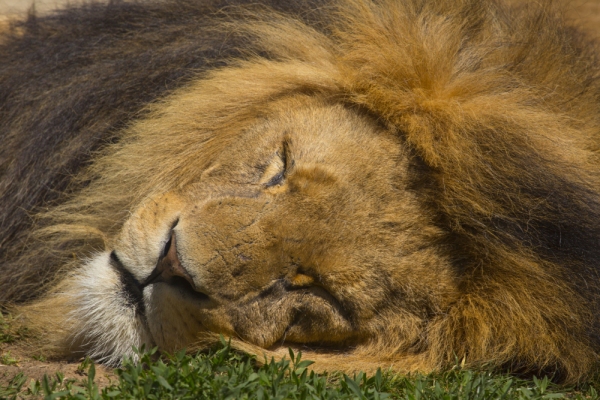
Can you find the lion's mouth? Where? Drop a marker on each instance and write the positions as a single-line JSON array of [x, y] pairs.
[[185, 289], [132, 289], [162, 274]]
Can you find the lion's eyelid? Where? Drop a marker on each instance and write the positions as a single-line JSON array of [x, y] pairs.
[[285, 157], [276, 180]]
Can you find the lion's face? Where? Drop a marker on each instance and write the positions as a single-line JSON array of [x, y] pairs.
[[303, 231]]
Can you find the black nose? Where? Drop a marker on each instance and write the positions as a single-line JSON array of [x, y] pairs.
[[169, 266]]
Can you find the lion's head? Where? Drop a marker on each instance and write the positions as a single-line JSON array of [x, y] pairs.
[[390, 183], [300, 229]]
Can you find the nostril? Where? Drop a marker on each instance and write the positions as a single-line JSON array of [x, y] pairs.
[[169, 266], [167, 247]]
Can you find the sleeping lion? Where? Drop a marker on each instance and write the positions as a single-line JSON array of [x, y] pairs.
[[374, 182]]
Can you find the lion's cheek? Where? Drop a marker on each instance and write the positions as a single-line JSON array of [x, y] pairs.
[[304, 316], [319, 322], [178, 321]]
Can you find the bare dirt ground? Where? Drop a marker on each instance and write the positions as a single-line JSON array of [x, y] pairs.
[[18, 355], [584, 13], [35, 370], [8, 7]]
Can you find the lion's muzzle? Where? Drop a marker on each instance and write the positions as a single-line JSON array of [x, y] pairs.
[[169, 267]]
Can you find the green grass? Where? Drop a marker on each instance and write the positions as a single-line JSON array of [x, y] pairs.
[[226, 374], [8, 332]]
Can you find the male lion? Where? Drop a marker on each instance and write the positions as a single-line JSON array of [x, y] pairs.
[[375, 182]]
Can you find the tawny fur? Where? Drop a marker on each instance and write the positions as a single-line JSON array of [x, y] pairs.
[[495, 113]]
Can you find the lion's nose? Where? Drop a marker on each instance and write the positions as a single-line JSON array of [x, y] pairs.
[[169, 266]]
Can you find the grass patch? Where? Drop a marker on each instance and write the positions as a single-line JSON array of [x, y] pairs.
[[8, 359], [8, 332], [226, 374]]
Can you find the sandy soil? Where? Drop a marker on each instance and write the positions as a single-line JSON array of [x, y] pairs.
[[16, 7], [21, 356], [35, 370], [586, 14]]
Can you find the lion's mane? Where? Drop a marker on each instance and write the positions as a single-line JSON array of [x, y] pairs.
[[498, 106]]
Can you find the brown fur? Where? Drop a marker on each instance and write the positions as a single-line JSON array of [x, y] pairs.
[[442, 201]]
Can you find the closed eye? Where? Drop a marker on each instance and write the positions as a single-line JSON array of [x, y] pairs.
[[276, 180], [278, 169]]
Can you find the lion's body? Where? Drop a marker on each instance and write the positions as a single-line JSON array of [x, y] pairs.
[[380, 183]]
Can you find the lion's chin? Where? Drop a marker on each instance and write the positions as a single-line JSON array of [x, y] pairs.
[[106, 323]]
